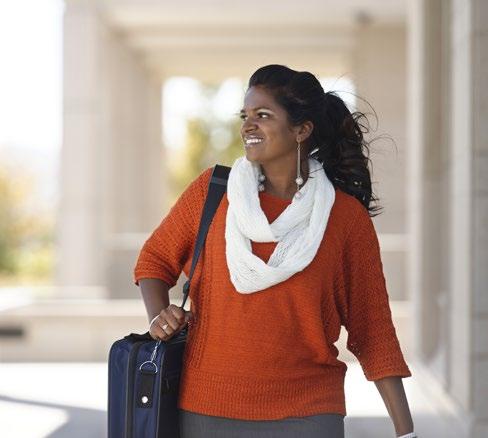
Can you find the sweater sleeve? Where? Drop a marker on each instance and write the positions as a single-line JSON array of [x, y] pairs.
[[367, 316], [169, 246]]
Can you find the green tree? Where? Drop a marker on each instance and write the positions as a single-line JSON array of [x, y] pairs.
[[193, 157], [26, 233], [10, 224], [200, 150]]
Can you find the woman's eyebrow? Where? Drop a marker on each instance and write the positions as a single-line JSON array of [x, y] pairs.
[[255, 109]]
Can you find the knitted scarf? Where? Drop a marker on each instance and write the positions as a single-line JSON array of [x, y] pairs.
[[298, 230]]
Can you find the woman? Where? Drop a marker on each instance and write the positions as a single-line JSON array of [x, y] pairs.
[[290, 256]]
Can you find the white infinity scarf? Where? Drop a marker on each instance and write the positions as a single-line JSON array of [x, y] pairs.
[[298, 230]]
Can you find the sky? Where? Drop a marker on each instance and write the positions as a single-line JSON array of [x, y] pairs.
[[31, 73]]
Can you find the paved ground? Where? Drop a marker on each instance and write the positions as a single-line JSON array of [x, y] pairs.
[[68, 400]]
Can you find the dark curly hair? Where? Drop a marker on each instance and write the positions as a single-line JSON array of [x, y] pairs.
[[337, 138]]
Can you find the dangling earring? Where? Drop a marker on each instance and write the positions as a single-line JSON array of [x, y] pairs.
[[261, 178], [299, 179]]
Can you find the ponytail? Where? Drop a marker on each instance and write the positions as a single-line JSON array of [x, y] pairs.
[[337, 139]]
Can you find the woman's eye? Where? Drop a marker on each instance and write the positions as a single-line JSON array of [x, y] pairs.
[[259, 114]]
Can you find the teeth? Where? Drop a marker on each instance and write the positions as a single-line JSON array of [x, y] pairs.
[[253, 140]]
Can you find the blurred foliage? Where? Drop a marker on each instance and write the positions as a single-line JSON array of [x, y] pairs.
[[26, 233], [209, 141]]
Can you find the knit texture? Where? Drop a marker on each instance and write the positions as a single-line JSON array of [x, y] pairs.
[[271, 354], [299, 230]]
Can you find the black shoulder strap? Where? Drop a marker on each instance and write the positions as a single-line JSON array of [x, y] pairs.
[[216, 189]]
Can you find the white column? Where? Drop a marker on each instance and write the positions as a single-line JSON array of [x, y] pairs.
[[427, 215], [379, 78], [112, 164], [81, 260], [137, 183], [461, 204], [479, 261], [469, 209], [448, 109]]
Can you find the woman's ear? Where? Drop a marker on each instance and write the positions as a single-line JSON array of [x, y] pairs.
[[304, 131]]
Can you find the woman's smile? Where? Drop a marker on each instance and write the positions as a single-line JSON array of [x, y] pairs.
[[253, 142]]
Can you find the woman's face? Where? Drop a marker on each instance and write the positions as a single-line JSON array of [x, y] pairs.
[[263, 118]]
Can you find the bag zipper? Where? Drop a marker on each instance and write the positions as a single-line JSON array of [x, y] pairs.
[[129, 394]]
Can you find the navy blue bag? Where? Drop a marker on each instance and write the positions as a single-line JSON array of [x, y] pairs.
[[144, 374]]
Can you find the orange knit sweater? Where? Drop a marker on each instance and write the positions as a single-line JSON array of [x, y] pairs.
[[271, 354]]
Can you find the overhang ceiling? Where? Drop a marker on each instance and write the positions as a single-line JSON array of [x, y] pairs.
[[225, 38]]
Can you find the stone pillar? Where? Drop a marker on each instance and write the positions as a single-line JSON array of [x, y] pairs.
[[112, 158], [469, 211], [479, 220], [461, 232], [379, 79], [138, 186], [426, 176], [81, 263], [448, 162]]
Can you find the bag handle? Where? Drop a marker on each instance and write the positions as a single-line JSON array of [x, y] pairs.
[[216, 189]]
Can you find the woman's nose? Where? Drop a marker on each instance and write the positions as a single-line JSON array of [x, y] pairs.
[[248, 125]]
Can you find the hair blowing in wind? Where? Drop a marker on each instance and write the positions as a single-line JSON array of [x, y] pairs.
[[337, 140]]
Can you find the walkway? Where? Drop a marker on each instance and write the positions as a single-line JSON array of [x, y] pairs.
[[68, 400]]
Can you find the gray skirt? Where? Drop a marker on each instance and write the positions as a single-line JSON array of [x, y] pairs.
[[195, 425]]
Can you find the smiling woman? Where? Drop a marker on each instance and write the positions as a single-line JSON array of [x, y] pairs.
[[316, 124], [269, 138], [291, 256]]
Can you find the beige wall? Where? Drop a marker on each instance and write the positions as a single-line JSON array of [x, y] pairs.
[[379, 74], [448, 204]]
